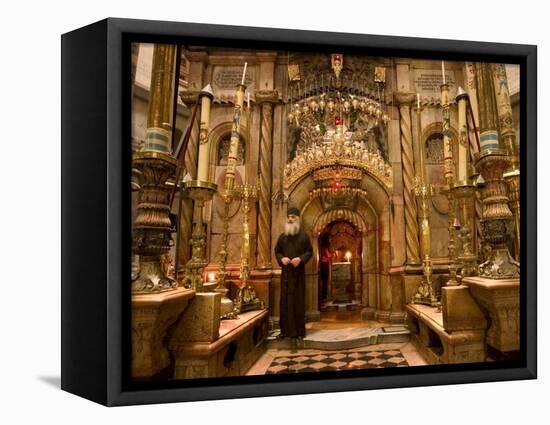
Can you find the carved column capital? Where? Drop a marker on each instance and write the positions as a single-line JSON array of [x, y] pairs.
[[189, 97], [266, 96], [404, 98], [266, 56], [197, 56]]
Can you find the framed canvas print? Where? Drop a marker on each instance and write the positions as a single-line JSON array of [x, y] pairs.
[[252, 212]]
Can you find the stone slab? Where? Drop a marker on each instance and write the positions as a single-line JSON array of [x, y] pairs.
[[344, 338]]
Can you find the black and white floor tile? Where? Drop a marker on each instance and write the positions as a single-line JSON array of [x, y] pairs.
[[333, 361]]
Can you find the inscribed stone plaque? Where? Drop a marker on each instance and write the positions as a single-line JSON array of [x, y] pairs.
[[428, 82], [226, 78]]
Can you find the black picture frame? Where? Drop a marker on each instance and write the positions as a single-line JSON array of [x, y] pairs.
[[96, 210]]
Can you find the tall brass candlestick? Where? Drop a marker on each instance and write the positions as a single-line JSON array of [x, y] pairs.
[[462, 98], [450, 179], [497, 223], [152, 230], [423, 191], [464, 192], [235, 140], [227, 196], [247, 298], [508, 134]]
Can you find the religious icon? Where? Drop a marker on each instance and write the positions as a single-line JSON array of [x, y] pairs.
[[337, 61], [380, 74]]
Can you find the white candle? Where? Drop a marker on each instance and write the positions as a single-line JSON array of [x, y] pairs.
[[418, 100], [204, 140], [462, 136], [244, 73], [248, 99], [442, 70]]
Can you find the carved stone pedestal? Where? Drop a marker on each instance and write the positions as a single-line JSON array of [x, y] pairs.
[[460, 310], [239, 344], [152, 314], [500, 298], [439, 345], [201, 321]]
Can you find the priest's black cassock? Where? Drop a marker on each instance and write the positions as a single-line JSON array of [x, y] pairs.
[[293, 283]]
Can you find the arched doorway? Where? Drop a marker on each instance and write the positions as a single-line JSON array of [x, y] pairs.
[[340, 274]]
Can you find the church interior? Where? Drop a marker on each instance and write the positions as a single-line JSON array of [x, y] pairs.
[[405, 175]]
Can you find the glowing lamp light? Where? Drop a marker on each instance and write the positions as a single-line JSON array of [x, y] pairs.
[[348, 256], [211, 277]]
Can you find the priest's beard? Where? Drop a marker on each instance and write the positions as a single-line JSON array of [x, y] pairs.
[[292, 229]]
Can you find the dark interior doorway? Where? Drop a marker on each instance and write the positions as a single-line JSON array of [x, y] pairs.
[[340, 252]]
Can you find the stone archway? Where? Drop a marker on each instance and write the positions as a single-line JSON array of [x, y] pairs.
[[372, 216]]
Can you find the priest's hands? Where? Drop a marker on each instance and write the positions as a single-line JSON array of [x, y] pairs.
[[295, 261]]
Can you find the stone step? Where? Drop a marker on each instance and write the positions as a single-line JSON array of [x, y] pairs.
[[341, 339]]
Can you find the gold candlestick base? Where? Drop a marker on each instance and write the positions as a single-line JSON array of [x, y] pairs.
[[448, 190], [247, 299], [152, 229], [200, 192], [464, 194], [425, 293], [497, 224], [227, 309]]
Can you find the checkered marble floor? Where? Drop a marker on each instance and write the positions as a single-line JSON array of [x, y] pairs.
[[332, 361]]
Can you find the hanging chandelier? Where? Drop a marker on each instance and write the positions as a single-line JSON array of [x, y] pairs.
[[336, 96]]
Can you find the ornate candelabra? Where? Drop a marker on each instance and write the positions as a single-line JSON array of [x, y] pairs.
[[152, 229], [423, 191], [200, 192], [512, 178], [246, 299], [508, 138], [425, 293], [450, 178], [464, 192], [227, 307]]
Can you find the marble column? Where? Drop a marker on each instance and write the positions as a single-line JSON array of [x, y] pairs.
[[266, 98], [197, 66], [404, 101]]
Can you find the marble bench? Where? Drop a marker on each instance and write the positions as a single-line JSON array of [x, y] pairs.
[[454, 335], [203, 346]]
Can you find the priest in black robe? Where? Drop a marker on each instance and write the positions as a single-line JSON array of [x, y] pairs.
[[293, 250]]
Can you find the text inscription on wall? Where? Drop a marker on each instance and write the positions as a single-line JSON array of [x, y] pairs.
[[428, 82], [226, 78]]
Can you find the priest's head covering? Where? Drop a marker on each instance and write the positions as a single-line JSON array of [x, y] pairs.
[[293, 211]]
